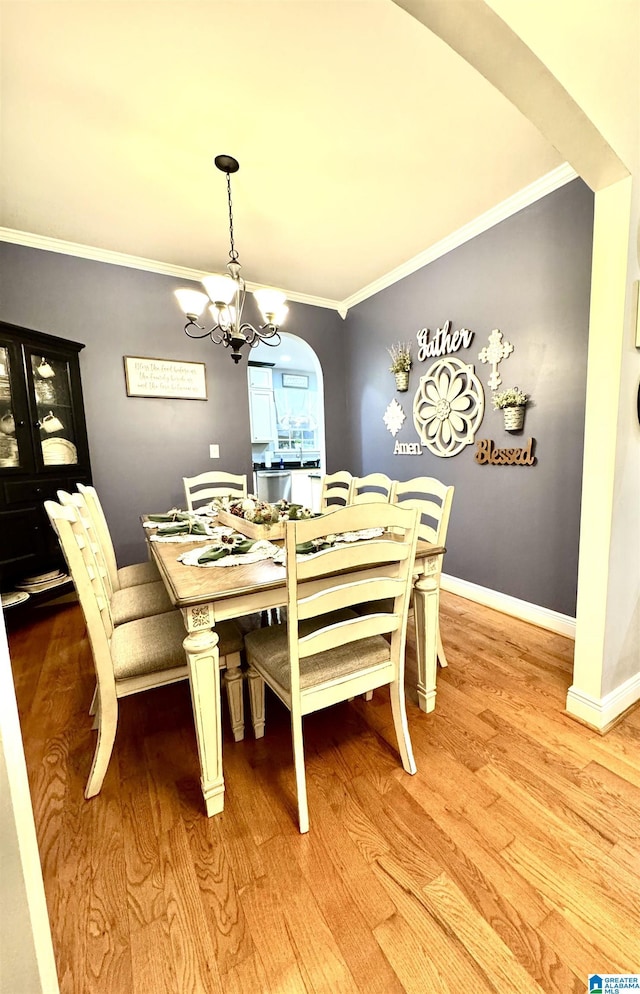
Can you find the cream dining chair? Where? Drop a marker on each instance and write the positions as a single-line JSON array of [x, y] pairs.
[[203, 488], [374, 488], [433, 500], [133, 657], [327, 653], [126, 603], [123, 576], [335, 490]]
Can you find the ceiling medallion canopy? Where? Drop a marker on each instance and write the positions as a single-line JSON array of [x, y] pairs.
[[225, 298]]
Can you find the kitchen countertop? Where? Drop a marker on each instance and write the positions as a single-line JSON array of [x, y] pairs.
[[288, 465]]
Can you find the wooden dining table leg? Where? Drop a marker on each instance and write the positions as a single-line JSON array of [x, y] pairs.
[[426, 605], [203, 659]]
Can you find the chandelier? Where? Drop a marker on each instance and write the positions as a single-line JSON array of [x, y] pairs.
[[225, 298]]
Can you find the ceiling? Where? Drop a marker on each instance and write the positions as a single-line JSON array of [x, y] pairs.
[[362, 138]]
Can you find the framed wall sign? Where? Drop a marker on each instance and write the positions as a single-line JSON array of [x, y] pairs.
[[146, 377], [295, 380]]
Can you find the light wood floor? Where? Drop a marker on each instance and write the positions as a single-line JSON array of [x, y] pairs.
[[510, 862]]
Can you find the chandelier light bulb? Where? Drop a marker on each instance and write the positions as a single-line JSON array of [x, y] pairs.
[[191, 301], [221, 289]]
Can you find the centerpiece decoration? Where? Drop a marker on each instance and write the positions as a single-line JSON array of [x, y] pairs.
[[257, 518], [512, 403], [401, 363]]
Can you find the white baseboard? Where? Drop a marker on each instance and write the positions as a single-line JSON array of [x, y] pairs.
[[599, 712], [553, 621]]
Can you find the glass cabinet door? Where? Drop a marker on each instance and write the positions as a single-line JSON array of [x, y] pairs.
[[55, 422], [9, 452]]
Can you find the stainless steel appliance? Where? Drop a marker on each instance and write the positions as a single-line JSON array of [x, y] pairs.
[[273, 484]]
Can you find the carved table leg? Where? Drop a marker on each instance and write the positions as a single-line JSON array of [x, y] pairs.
[[233, 683], [426, 603], [256, 696], [203, 659]]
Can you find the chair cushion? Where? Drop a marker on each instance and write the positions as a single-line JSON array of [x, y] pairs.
[[132, 576], [142, 601], [150, 645], [270, 650]]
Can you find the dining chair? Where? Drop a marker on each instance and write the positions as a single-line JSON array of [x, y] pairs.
[[326, 652], [123, 576], [128, 603], [374, 488], [203, 488], [133, 657], [433, 500], [335, 490]]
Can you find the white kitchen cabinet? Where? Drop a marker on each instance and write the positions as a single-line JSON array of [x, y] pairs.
[[260, 377], [301, 487], [262, 415]]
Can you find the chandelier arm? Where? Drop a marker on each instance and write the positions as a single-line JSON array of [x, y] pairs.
[[194, 324], [271, 341]]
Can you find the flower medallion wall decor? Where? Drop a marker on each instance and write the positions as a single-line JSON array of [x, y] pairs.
[[448, 407], [394, 417], [493, 353]]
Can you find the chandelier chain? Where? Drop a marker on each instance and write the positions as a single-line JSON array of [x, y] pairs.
[[233, 255]]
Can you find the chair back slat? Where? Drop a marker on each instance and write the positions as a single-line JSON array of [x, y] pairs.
[[347, 632], [336, 597], [351, 555], [335, 491], [202, 489], [374, 488]]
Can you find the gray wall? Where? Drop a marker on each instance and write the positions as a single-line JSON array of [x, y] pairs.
[[141, 448], [513, 529]]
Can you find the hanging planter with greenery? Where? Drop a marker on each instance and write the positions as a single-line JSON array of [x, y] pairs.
[[401, 363], [512, 403]]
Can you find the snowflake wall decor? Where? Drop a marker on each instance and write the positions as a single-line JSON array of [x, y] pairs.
[[394, 417], [495, 352], [448, 407]]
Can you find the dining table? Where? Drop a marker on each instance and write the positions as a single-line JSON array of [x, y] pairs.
[[208, 595]]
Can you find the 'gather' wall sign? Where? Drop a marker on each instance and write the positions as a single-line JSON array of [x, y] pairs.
[[443, 342]]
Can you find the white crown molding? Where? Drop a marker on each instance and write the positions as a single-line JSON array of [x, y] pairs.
[[599, 712], [524, 198], [136, 262], [543, 617]]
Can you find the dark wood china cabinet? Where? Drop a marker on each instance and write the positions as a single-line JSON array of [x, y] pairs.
[[43, 445]]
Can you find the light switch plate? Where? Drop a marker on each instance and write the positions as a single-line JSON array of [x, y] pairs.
[[214, 451]]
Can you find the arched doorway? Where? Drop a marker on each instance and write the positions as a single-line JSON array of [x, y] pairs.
[[286, 405]]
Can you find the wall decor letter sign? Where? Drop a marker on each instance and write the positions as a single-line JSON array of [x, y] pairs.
[[167, 378], [407, 448], [488, 455], [443, 342]]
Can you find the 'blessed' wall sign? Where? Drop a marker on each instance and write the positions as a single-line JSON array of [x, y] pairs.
[[487, 454]]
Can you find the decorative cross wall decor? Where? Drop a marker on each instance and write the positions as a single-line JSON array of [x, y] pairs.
[[495, 352]]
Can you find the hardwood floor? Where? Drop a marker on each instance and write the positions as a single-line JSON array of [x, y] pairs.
[[510, 862]]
